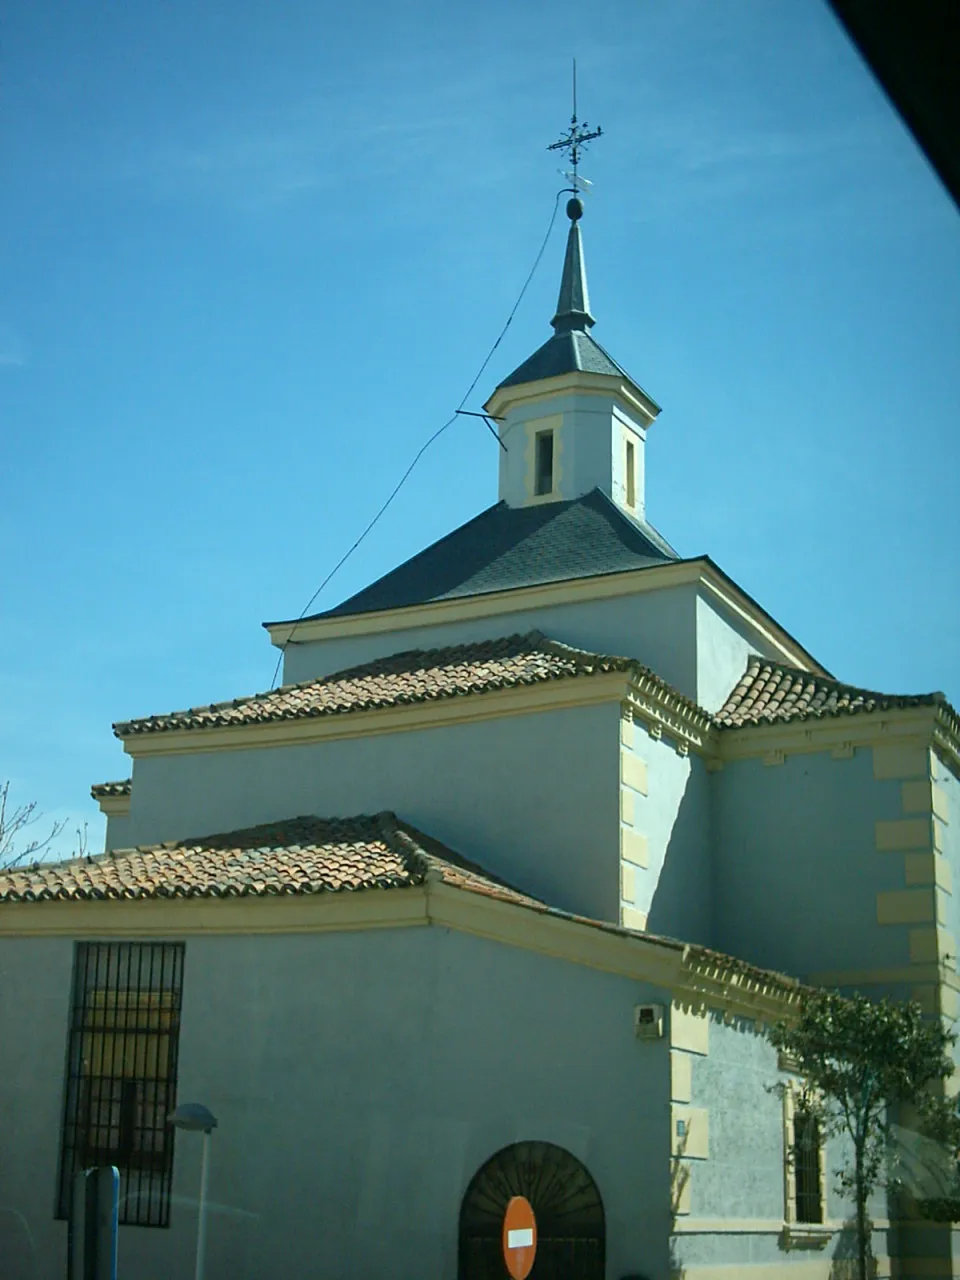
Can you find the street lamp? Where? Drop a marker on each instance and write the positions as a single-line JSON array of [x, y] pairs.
[[195, 1117]]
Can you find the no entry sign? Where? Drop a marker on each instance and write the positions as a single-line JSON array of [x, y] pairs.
[[519, 1238]]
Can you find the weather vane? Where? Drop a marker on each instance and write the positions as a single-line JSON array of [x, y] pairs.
[[573, 142]]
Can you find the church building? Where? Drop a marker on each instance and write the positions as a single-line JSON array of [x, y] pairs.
[[496, 894]]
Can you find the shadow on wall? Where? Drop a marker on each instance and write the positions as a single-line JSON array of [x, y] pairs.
[[682, 905], [844, 1265]]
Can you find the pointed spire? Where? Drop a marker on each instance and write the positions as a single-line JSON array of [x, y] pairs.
[[573, 305]]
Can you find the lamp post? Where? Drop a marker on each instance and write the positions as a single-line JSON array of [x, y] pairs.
[[195, 1117]]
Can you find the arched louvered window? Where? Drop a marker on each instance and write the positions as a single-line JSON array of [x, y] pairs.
[[571, 1235]]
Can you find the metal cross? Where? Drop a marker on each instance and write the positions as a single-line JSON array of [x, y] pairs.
[[577, 136]]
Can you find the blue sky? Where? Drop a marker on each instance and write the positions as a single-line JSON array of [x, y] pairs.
[[253, 255]]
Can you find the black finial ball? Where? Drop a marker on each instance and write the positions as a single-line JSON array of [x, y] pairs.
[[574, 208]]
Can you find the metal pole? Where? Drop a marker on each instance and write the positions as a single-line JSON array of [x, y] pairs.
[[202, 1211]]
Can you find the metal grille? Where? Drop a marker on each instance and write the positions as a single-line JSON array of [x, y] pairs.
[[122, 1073], [806, 1163], [571, 1232]]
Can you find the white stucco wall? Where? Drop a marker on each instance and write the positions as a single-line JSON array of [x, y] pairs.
[[360, 1080], [532, 798], [724, 645], [658, 628], [588, 448]]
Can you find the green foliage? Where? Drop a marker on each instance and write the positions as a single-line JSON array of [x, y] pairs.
[[865, 1055], [859, 1058]]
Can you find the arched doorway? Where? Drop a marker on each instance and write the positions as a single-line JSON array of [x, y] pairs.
[[571, 1235]]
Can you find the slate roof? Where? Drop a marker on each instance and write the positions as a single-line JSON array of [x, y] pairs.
[[299, 856], [772, 693], [508, 547], [103, 790], [417, 675], [572, 351]]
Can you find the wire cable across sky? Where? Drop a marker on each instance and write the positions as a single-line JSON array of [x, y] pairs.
[[426, 444]]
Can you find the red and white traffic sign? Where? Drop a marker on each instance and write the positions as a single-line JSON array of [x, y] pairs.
[[519, 1238]]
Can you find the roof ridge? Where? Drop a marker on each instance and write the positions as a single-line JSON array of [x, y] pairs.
[[614, 361], [402, 843], [643, 527]]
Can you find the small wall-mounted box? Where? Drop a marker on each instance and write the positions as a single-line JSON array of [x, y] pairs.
[[648, 1021]]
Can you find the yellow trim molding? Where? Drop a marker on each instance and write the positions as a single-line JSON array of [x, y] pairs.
[[697, 980], [577, 383]]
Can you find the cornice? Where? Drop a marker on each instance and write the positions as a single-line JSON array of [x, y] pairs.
[[549, 695], [190, 917], [693, 977], [946, 737], [580, 383], [840, 733], [664, 712]]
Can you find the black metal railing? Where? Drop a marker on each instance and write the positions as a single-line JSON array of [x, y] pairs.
[[122, 1072]]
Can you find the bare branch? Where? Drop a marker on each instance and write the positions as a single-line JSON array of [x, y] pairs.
[[13, 824]]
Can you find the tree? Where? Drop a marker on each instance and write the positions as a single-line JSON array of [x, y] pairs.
[[14, 824], [858, 1059]]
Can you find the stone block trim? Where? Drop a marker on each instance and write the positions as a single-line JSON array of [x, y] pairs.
[[928, 868], [634, 850], [633, 772], [634, 847], [933, 946], [901, 761], [680, 1188], [628, 882], [681, 1076], [897, 834], [906, 906], [631, 918], [689, 1030], [689, 1132], [925, 797]]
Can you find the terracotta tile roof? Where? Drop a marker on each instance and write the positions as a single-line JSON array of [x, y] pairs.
[[296, 856], [418, 675], [771, 693], [102, 790]]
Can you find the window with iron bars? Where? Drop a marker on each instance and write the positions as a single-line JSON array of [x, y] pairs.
[[806, 1165], [122, 1073]]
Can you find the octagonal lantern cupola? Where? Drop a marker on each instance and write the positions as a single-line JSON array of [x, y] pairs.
[[570, 419]]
